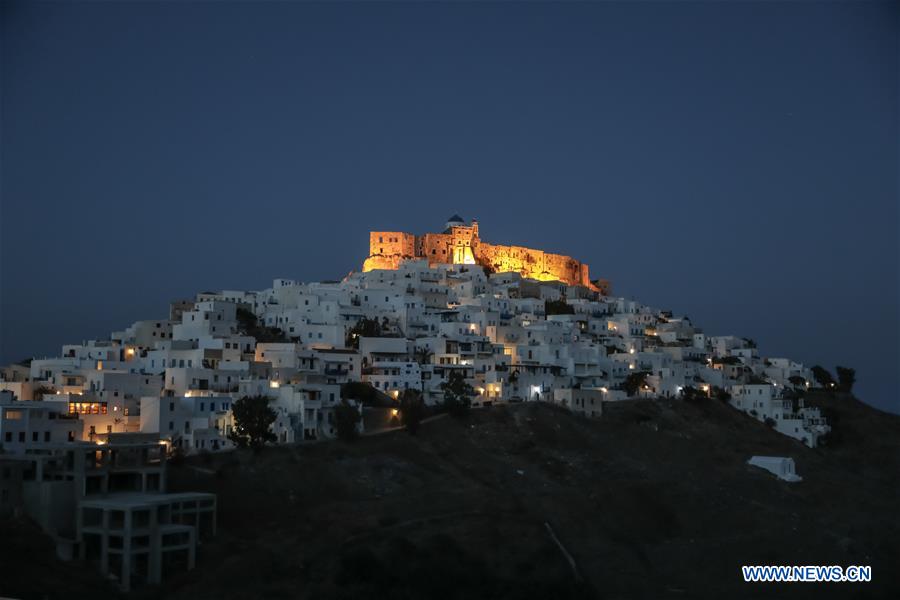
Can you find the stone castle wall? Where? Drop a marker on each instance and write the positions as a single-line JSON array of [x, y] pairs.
[[462, 245], [389, 243]]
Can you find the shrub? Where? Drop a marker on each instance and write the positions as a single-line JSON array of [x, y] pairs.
[[346, 417]]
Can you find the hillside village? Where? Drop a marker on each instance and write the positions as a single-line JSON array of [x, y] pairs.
[[95, 425]]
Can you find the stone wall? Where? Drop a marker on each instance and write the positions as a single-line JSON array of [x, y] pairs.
[[389, 243], [462, 245]]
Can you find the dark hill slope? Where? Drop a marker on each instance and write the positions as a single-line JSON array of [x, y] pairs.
[[654, 500]]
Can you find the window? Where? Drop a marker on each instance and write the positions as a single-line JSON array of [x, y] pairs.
[[8, 437]]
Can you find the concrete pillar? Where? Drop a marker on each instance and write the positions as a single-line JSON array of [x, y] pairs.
[[126, 552], [154, 560], [192, 549], [104, 543], [79, 526]]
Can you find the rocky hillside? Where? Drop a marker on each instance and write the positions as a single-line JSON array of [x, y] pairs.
[[654, 500]]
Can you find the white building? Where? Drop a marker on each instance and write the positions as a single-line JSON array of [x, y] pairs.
[[780, 466], [179, 376]]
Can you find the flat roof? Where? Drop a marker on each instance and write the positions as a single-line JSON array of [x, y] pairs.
[[136, 500]]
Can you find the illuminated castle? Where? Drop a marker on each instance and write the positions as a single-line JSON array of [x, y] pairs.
[[460, 244]]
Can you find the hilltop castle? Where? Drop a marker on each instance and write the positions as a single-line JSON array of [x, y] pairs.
[[460, 244]]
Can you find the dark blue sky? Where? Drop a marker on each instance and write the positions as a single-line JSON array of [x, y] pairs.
[[737, 162]]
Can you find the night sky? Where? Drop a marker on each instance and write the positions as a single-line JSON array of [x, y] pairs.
[[735, 162]]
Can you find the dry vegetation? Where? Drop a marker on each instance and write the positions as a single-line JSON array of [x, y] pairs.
[[653, 501]]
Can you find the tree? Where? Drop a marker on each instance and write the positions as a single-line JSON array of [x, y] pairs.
[[846, 378], [726, 360], [246, 320], [797, 381], [365, 394], [252, 419], [634, 382], [720, 394], [363, 328], [412, 409], [754, 379], [346, 417], [43, 390], [457, 394], [691, 394], [248, 324], [822, 376], [558, 307], [423, 356]]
